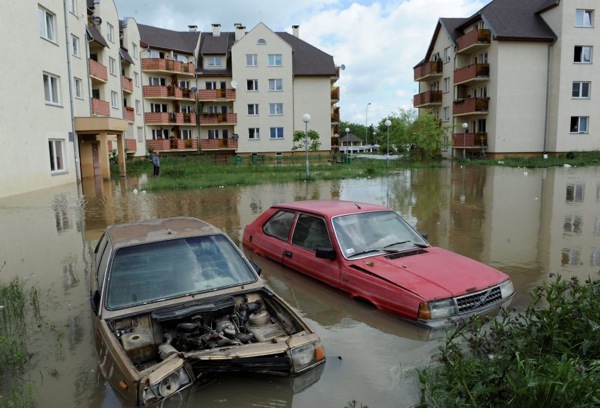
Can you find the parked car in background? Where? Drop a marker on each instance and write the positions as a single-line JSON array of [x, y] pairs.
[[372, 253], [174, 302]]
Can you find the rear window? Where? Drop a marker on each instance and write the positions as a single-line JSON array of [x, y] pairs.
[[279, 225]]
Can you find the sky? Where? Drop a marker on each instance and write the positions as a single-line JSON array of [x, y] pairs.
[[378, 42]]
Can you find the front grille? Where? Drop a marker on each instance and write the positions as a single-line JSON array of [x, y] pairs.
[[479, 300]]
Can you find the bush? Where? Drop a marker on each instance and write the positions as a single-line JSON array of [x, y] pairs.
[[546, 356]]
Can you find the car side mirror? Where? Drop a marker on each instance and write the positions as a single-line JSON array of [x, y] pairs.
[[425, 235], [325, 253], [95, 301], [256, 268]]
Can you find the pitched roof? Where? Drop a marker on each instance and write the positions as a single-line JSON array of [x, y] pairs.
[[95, 35], [161, 38], [307, 59]]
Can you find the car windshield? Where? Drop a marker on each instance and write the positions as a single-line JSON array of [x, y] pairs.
[[371, 233], [168, 269]]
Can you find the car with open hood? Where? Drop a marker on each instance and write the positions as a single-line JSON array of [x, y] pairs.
[[373, 253], [175, 302]]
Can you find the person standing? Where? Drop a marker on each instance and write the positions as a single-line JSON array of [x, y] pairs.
[[156, 164]]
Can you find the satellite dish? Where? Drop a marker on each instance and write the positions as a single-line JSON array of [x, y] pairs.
[[96, 21], [342, 67], [234, 84]]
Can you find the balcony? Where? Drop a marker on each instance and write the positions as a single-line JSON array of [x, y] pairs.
[[170, 118], [469, 140], [100, 107], [129, 113], [470, 106], [130, 145], [127, 84], [168, 92], [172, 145], [335, 116], [428, 70], [161, 65], [211, 119], [335, 94], [429, 98], [218, 144], [98, 72], [472, 73], [474, 40], [217, 95]]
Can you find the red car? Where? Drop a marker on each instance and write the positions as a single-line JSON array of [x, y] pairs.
[[371, 252]]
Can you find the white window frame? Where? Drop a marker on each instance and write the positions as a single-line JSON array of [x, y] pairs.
[[585, 57], [581, 127], [253, 109], [252, 85], [275, 85], [110, 32], [134, 49], [78, 83], [584, 18], [445, 114], [253, 134], [136, 79], [140, 134], [447, 54], [446, 84], [112, 66], [214, 62], [251, 60], [73, 6], [56, 149], [75, 48], [156, 81], [210, 85], [138, 107], [581, 90], [186, 134], [275, 60], [276, 133], [213, 133], [276, 109], [51, 89], [47, 24], [114, 100]]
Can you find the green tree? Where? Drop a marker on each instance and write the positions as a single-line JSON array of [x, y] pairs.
[[428, 136], [401, 137], [314, 141]]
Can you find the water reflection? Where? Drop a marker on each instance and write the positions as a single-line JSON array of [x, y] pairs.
[[527, 223]]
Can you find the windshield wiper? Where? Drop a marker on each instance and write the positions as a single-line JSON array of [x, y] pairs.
[[367, 251], [385, 248]]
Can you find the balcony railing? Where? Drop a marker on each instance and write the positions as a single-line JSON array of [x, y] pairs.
[[470, 106], [166, 118], [167, 92], [217, 144], [474, 40], [428, 69], [167, 65], [176, 144], [427, 98], [97, 71], [218, 118], [100, 107], [127, 84], [130, 145], [471, 73], [469, 140], [129, 113], [335, 94], [216, 95]]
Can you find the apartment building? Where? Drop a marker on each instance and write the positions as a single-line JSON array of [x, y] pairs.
[[83, 87], [514, 79]]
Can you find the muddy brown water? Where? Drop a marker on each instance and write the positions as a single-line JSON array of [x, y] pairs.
[[528, 223]]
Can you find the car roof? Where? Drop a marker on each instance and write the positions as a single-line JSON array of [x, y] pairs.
[[158, 229], [331, 207]]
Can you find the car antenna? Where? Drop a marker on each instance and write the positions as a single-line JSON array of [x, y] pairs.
[[357, 206]]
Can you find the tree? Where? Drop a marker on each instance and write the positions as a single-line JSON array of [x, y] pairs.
[[428, 135], [401, 137], [314, 142]]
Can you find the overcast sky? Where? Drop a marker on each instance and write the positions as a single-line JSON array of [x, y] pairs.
[[379, 42]]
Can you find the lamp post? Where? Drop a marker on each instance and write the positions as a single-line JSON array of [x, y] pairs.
[[388, 123], [306, 119], [347, 139], [465, 126], [366, 127]]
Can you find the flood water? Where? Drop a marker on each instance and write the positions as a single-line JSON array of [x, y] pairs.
[[527, 223]]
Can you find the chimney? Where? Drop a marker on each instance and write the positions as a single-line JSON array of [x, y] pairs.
[[216, 30], [240, 31], [296, 31], [193, 28]]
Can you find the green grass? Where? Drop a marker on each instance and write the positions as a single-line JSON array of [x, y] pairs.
[[574, 159]]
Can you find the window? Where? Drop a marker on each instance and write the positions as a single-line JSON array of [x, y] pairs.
[[276, 133], [75, 45], [51, 89], [214, 62], [276, 109], [110, 32], [140, 134], [136, 79], [155, 81], [138, 107], [213, 134], [447, 54], [134, 50], [114, 99], [572, 225], [447, 84], [211, 84], [579, 124], [251, 60], [112, 66], [47, 22], [581, 90], [72, 6], [275, 85], [186, 134], [445, 114], [78, 88], [584, 18], [253, 133], [253, 109], [261, 41], [583, 54], [160, 134], [184, 84], [57, 155], [310, 233], [252, 84], [158, 107], [274, 60], [279, 225]]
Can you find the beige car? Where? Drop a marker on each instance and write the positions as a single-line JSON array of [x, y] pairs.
[[174, 302]]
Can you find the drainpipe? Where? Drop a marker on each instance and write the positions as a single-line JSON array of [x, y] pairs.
[[71, 101], [546, 112]]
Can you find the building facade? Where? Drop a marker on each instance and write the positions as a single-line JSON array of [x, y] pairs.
[[93, 88], [514, 79]]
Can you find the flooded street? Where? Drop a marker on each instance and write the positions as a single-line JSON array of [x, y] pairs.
[[527, 223]]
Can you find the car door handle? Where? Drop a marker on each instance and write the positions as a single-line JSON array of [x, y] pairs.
[[288, 254]]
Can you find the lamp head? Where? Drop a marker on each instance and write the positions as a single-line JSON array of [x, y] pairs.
[[306, 118], [388, 122], [465, 126]]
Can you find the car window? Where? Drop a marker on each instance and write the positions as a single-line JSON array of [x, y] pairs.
[[311, 233], [102, 255], [279, 225], [167, 269]]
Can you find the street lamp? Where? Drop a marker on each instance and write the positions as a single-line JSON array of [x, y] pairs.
[[306, 119], [465, 126], [388, 123], [366, 128], [347, 138]]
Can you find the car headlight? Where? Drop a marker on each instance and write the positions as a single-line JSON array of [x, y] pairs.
[[507, 289], [307, 355], [439, 309], [165, 387]]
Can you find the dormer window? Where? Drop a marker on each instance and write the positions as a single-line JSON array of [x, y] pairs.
[[261, 41], [214, 62]]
